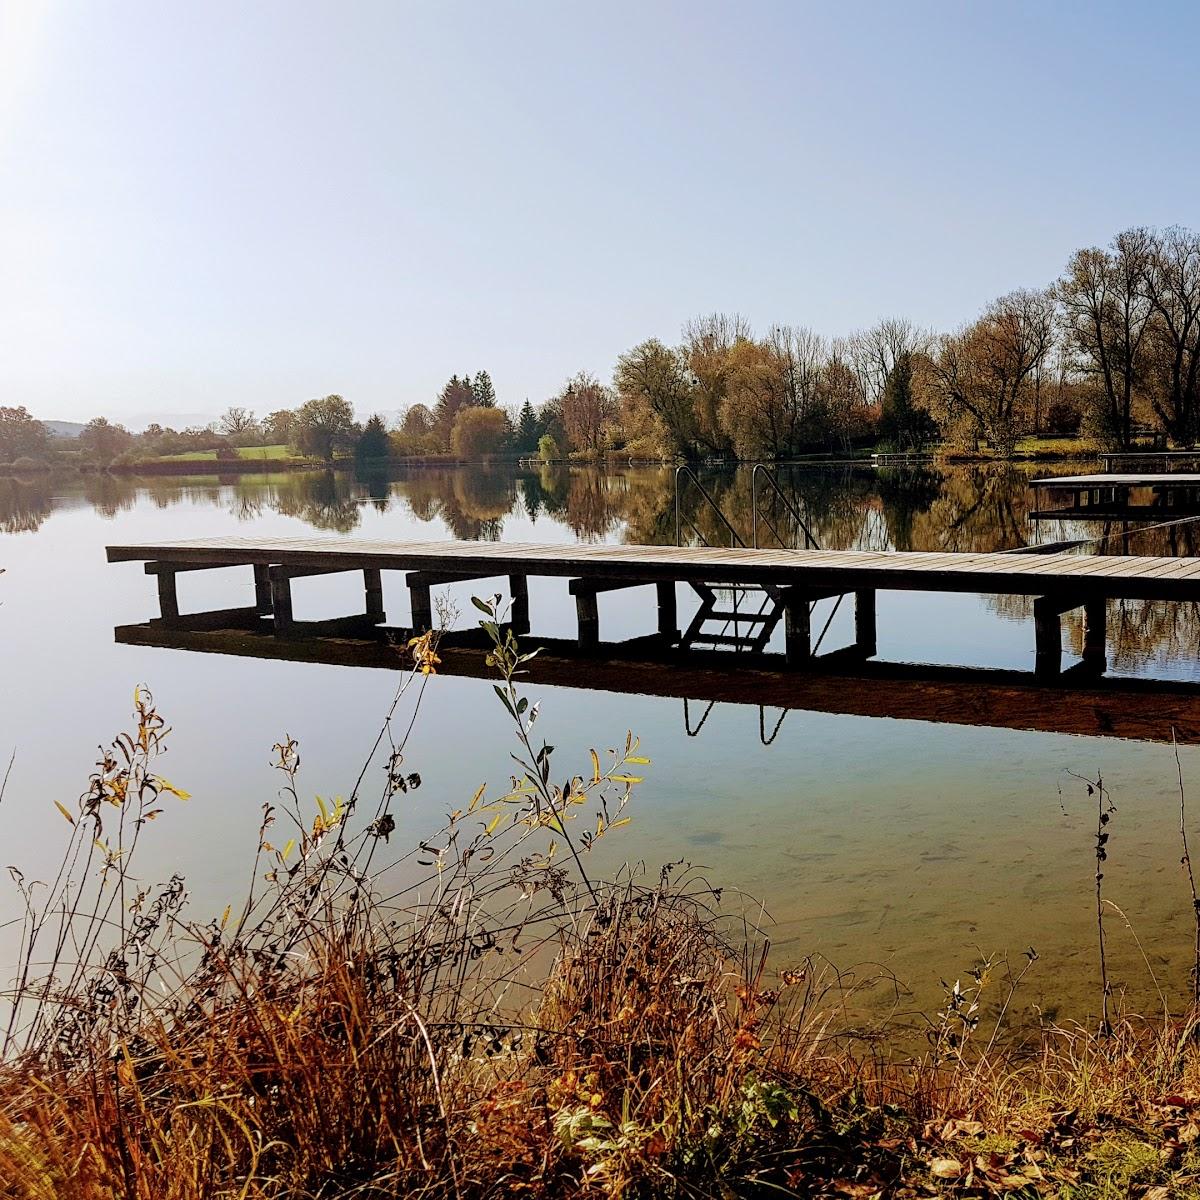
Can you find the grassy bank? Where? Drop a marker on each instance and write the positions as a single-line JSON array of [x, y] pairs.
[[472, 1013]]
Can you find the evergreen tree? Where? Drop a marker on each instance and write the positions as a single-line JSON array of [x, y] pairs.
[[372, 446], [485, 392], [455, 396], [529, 429], [901, 422]]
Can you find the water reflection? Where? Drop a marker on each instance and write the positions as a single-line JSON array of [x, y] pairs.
[[931, 508]]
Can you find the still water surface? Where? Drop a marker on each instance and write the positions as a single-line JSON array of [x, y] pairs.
[[906, 843]]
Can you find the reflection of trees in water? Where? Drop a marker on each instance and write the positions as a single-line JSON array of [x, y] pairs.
[[471, 502], [24, 504], [109, 494], [325, 499]]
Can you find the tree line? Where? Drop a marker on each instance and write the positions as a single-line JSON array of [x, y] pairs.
[[1109, 349]]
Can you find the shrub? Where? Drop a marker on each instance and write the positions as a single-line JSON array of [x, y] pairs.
[[1064, 419]]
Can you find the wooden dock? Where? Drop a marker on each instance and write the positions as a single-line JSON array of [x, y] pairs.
[[1109, 494], [785, 583]]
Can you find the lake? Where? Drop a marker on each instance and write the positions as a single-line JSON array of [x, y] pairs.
[[907, 843]]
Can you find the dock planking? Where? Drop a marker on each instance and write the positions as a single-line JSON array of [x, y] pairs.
[[793, 579]]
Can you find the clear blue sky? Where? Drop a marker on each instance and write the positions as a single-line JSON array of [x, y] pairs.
[[218, 203]]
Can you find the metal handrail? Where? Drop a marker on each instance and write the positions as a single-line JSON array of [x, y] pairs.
[[810, 541], [686, 473]]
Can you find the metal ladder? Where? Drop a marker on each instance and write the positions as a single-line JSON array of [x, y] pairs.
[[742, 630]]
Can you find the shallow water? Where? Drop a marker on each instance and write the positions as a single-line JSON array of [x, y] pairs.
[[912, 844]]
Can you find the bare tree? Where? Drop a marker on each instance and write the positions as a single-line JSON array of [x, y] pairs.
[[1172, 285], [875, 352], [1105, 317], [238, 423]]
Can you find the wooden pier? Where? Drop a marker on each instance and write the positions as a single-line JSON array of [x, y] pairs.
[[785, 584], [1084, 497]]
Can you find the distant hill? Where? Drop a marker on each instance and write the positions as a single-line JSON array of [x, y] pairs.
[[64, 429]]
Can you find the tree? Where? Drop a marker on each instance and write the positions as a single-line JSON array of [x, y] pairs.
[[323, 426], [527, 430], [1172, 284], [588, 410], [902, 423], [1105, 317], [548, 449], [102, 441], [483, 391], [707, 342], [658, 397], [279, 427], [21, 436], [875, 352], [238, 424], [982, 379], [372, 445], [479, 433], [456, 395]]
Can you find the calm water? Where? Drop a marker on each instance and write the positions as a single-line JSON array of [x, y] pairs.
[[907, 843]]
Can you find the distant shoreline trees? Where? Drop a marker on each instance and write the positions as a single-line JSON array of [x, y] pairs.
[[1109, 349]]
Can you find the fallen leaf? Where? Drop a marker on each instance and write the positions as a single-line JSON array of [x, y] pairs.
[[945, 1168]]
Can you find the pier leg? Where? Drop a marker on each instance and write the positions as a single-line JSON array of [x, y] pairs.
[[422, 606], [262, 588], [373, 589], [668, 613], [797, 629], [588, 612], [168, 597], [1095, 635], [1047, 637], [281, 599], [864, 622], [518, 586]]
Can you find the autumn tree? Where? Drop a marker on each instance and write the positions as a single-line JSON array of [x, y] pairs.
[[278, 427], [707, 342], [588, 409], [479, 433], [21, 436], [983, 377], [1105, 312], [657, 396], [323, 426]]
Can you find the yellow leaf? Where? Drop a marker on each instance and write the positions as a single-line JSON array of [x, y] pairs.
[[477, 797], [225, 916], [595, 767], [491, 827], [599, 824], [324, 810], [62, 809], [288, 848], [637, 758], [627, 778], [164, 786], [622, 821]]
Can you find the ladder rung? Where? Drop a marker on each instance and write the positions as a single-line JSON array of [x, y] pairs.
[[715, 639], [728, 615]]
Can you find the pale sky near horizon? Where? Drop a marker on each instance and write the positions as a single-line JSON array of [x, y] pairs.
[[229, 203]]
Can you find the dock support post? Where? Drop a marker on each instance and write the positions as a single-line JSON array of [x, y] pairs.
[[1095, 635], [168, 596], [518, 586], [262, 588], [864, 622], [373, 589], [422, 605], [1047, 627], [588, 612], [281, 599], [668, 612], [797, 628]]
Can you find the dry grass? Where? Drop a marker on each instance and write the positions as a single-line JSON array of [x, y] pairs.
[[472, 1015]]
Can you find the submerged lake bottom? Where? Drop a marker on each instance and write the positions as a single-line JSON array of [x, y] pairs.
[[897, 842]]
